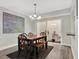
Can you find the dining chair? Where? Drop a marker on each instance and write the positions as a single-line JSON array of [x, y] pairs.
[[30, 34], [25, 34], [42, 40], [42, 33], [21, 43], [37, 46]]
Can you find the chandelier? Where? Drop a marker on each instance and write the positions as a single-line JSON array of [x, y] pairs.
[[35, 16]]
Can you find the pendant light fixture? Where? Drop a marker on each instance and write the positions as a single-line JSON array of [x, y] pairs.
[[35, 16]]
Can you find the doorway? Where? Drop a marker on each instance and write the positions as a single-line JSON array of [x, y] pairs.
[[54, 29]]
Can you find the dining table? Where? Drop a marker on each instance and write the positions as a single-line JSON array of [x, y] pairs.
[[34, 38], [37, 37]]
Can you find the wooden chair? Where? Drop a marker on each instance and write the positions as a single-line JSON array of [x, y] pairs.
[[43, 34], [42, 40], [30, 34], [37, 46], [25, 34], [21, 43]]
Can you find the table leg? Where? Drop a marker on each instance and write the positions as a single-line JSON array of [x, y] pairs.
[[37, 52], [46, 43], [31, 49]]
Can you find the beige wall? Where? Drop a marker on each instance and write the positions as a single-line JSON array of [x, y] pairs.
[[74, 28]]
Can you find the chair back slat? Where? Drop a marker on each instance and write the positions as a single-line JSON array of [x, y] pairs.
[[42, 33]]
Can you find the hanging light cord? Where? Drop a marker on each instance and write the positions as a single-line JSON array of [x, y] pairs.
[[35, 8]]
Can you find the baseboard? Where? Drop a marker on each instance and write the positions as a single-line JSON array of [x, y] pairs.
[[7, 47], [73, 53], [66, 44]]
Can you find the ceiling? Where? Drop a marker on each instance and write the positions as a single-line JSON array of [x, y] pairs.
[[43, 6]]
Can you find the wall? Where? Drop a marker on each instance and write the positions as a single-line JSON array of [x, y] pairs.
[[33, 26], [74, 28], [66, 26], [41, 27], [9, 40], [74, 39]]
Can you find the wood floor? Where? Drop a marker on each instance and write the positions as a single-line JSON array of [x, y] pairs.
[[58, 52]]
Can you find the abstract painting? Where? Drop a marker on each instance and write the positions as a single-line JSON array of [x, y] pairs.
[[12, 23]]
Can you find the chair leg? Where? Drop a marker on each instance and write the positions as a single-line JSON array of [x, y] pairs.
[[19, 51], [37, 54], [42, 46], [26, 51]]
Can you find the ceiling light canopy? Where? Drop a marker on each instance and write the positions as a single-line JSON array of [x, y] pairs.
[[35, 16]]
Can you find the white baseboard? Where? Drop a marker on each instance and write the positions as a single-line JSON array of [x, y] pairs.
[[66, 44], [73, 53], [3, 48]]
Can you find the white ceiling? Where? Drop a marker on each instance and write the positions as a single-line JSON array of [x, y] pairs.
[[43, 6]]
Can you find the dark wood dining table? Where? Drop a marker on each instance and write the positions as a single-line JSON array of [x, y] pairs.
[[33, 38], [37, 37]]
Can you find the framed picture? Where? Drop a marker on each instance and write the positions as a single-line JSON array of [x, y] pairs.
[[12, 23]]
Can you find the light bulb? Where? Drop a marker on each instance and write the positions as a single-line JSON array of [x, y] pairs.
[[39, 17], [35, 15], [30, 16]]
